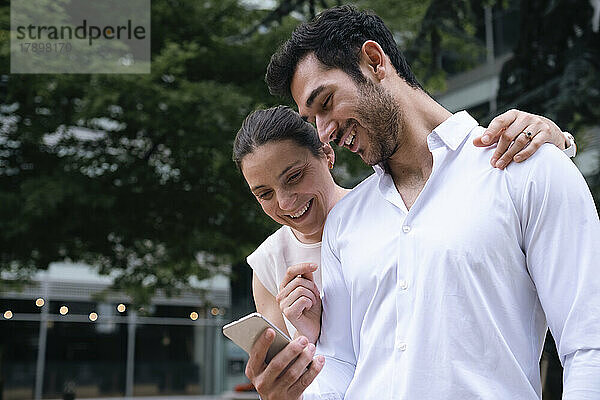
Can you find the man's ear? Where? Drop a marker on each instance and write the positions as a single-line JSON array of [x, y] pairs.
[[329, 154], [373, 58]]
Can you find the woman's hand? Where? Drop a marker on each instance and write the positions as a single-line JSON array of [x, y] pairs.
[[509, 131], [300, 301]]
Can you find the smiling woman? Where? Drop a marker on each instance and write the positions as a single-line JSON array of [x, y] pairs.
[[287, 170], [297, 190]]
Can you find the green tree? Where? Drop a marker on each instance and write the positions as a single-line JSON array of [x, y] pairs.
[[133, 173], [555, 69]]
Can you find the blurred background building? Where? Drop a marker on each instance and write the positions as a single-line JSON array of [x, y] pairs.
[[55, 336], [477, 88]]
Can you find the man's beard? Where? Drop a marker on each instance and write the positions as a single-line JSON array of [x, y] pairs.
[[380, 116]]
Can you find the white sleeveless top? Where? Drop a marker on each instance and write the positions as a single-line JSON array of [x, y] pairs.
[[279, 251]]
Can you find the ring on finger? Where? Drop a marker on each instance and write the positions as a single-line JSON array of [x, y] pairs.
[[528, 134]]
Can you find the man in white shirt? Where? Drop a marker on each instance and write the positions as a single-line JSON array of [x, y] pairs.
[[440, 273]]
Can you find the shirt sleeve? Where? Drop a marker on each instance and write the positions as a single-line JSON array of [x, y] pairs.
[[263, 265], [581, 375], [335, 342], [561, 233]]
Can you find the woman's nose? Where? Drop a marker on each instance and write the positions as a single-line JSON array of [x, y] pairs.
[[286, 200]]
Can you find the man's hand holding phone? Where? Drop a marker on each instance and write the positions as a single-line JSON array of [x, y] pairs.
[[289, 373], [300, 301]]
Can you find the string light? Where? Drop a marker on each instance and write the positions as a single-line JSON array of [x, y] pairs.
[[121, 308], [63, 310], [214, 311], [8, 314], [193, 315], [40, 302], [93, 316]]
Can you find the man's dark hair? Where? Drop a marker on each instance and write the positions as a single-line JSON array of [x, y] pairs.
[[274, 124], [335, 36]]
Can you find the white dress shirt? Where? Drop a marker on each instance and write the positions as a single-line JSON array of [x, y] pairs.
[[451, 300]]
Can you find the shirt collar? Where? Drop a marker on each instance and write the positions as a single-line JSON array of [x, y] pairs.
[[379, 169], [450, 133]]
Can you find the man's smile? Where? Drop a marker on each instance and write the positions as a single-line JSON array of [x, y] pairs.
[[347, 137]]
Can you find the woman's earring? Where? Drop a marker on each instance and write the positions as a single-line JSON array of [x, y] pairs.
[[330, 164]]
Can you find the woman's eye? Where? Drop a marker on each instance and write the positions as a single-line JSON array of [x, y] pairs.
[[265, 195], [294, 177]]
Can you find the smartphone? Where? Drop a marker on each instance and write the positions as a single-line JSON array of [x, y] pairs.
[[245, 331]]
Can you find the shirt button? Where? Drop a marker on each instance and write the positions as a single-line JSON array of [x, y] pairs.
[[406, 229], [403, 284], [402, 346]]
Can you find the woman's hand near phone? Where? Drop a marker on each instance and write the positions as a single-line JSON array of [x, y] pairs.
[[300, 301]]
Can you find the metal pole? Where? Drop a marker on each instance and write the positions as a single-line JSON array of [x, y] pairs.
[[41, 355], [489, 34], [199, 358], [489, 44], [219, 358], [209, 359], [129, 369]]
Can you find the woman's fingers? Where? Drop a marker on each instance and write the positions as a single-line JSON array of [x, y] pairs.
[[294, 306], [510, 131], [496, 127], [302, 269], [294, 284]]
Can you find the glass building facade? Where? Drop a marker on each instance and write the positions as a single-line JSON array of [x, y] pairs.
[[56, 339]]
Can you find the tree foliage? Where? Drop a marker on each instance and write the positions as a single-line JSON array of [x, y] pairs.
[[555, 68], [133, 173]]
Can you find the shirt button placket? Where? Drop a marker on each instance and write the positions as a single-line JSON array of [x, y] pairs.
[[401, 299], [402, 286]]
